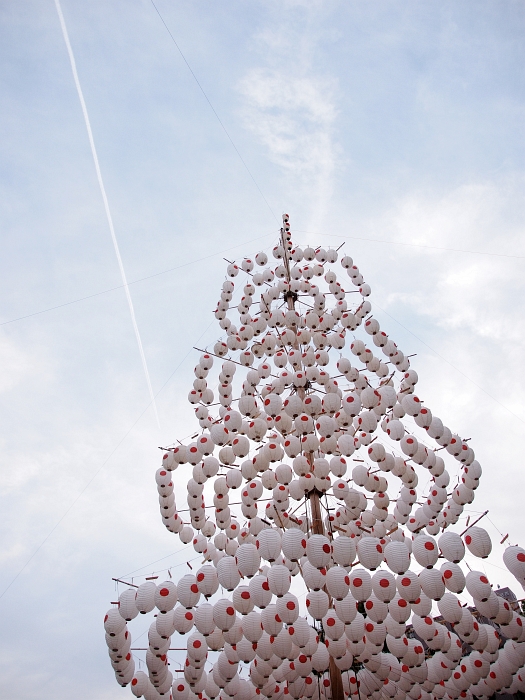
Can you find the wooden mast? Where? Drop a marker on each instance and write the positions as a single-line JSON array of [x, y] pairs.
[[336, 681]]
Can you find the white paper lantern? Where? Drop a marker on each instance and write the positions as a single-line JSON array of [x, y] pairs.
[[207, 580], [399, 609], [114, 623], [252, 627], [453, 577], [452, 547], [166, 596], [337, 582], [408, 586], [228, 573], [333, 627], [478, 585], [260, 591], [145, 597], [376, 609], [182, 619], [344, 550], [204, 621], [317, 604], [270, 620], [248, 559], [384, 585], [318, 551], [188, 591], [279, 580], [432, 585], [370, 552], [450, 608], [288, 608], [140, 684], [514, 560], [269, 544], [360, 584], [397, 557], [346, 609], [127, 607], [478, 542], [425, 551], [224, 614]]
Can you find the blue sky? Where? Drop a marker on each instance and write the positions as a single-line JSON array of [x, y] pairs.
[[399, 122]]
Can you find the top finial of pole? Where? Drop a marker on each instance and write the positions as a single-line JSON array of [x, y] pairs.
[[286, 242], [286, 234], [286, 226]]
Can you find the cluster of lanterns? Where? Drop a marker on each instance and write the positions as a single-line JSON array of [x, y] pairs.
[[327, 571]]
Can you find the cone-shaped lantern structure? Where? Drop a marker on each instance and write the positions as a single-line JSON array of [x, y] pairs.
[[318, 493]]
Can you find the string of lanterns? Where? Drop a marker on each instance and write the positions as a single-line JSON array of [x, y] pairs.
[[329, 587]]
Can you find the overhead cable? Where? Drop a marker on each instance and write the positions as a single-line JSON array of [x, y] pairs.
[[214, 112]]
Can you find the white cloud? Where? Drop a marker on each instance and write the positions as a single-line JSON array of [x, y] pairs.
[[19, 364], [466, 313], [291, 108], [470, 292]]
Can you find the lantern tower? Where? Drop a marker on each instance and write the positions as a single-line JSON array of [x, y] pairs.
[[327, 503]]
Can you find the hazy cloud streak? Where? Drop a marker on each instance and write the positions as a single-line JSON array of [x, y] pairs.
[[290, 107]]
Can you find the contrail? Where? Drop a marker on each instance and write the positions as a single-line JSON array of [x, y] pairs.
[[106, 204]]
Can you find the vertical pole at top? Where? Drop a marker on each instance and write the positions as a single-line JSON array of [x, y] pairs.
[[336, 681]]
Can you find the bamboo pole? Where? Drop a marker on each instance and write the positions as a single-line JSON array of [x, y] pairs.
[[118, 580], [472, 524], [336, 681]]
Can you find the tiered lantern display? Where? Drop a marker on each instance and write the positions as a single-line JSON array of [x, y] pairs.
[[327, 570]]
